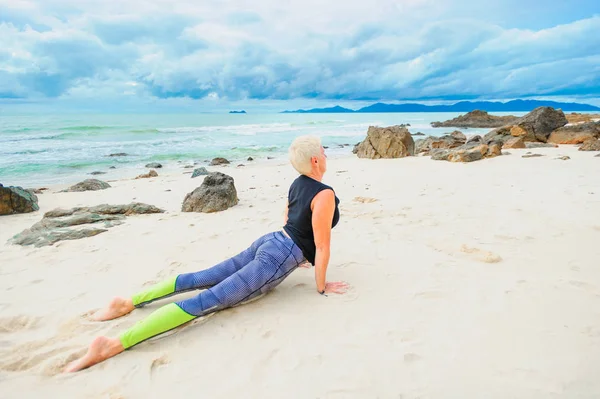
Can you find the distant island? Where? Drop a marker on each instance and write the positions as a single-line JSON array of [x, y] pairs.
[[463, 106], [237, 112]]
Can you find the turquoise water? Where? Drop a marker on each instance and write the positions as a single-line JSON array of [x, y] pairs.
[[38, 150]]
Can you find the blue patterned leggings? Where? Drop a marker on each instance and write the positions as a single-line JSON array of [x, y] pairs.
[[245, 276]]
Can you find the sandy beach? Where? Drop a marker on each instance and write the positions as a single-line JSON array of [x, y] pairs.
[[476, 280]]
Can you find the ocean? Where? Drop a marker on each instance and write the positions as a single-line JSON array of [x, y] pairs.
[[38, 150]]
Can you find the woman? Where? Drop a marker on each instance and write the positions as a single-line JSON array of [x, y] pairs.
[[312, 211]]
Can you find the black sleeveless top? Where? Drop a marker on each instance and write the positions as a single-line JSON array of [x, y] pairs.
[[299, 223]]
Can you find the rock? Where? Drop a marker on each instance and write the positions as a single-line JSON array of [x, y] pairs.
[[217, 193], [15, 200], [469, 152], [515, 142], [386, 142], [154, 165], [97, 172], [219, 161], [535, 126], [152, 173], [597, 156], [250, 159], [448, 141], [113, 167], [531, 144], [119, 154], [575, 117], [477, 119], [38, 190], [188, 166], [590, 145], [418, 134], [531, 155], [475, 139], [57, 225], [200, 172], [564, 158], [270, 157], [575, 134], [87, 185], [241, 164]]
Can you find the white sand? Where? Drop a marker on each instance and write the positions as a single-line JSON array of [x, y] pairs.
[[477, 280]]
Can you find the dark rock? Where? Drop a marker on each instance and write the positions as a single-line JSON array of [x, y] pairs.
[[154, 165], [250, 159], [97, 172], [597, 156], [564, 158], [241, 165], [270, 157], [113, 167], [590, 145], [217, 193], [152, 173], [477, 119], [188, 166], [56, 225], [15, 200], [87, 185], [119, 154], [531, 155], [440, 154], [386, 142], [219, 161], [200, 172], [531, 144], [475, 139], [575, 134], [418, 134]]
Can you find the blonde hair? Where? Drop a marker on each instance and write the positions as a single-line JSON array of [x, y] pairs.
[[301, 151]]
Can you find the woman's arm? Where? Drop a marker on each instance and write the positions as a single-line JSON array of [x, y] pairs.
[[323, 207]]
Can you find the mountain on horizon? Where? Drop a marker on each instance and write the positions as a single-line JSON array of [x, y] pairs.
[[462, 106]]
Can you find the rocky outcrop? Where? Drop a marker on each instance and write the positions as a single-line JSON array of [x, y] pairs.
[[15, 200], [535, 126], [590, 145], [200, 172], [575, 134], [469, 152], [87, 185], [575, 117], [217, 193], [477, 119], [59, 224], [447, 141], [386, 142], [219, 161]]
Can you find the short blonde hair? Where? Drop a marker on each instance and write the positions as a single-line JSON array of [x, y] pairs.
[[301, 151]]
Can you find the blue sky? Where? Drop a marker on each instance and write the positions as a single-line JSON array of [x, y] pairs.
[[269, 54]]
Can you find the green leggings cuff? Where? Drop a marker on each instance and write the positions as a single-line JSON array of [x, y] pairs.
[[160, 321], [157, 291]]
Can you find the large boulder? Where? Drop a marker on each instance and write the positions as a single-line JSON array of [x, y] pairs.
[[217, 193], [477, 119], [590, 145], [386, 142], [514, 142], [200, 172], [17, 200], [60, 224], [535, 126], [575, 134], [87, 185], [219, 161]]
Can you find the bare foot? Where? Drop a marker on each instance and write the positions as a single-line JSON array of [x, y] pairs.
[[118, 307], [101, 349]]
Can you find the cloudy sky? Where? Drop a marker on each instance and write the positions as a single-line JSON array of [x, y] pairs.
[[281, 54]]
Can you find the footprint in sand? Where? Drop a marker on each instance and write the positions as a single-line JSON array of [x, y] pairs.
[[28, 356], [365, 200], [157, 363], [18, 323], [480, 255], [430, 294]]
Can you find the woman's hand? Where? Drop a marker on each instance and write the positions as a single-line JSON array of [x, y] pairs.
[[336, 287]]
